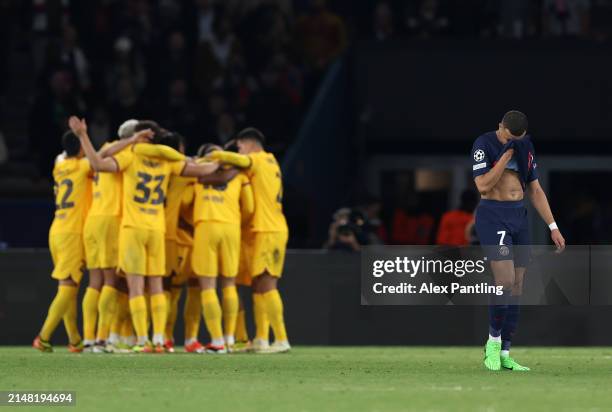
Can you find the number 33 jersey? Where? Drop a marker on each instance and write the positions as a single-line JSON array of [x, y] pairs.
[[145, 183], [72, 195]]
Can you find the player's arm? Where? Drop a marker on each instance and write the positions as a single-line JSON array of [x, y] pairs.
[[247, 200], [220, 177], [159, 150], [199, 169], [99, 164], [540, 203], [230, 158], [139, 137], [487, 181]]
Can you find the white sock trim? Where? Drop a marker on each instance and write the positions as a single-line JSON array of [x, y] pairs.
[[495, 338], [505, 353]]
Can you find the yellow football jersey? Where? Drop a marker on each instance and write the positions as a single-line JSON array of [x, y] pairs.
[[106, 193], [145, 183], [72, 195], [176, 188], [220, 203], [266, 179]]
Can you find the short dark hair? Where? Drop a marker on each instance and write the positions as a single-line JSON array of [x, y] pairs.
[[251, 133], [150, 124], [206, 148], [71, 144], [172, 139], [516, 122]]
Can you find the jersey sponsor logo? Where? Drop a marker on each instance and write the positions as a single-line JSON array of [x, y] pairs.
[[479, 166], [479, 155]]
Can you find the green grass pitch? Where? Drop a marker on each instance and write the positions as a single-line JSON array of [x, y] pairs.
[[318, 379]]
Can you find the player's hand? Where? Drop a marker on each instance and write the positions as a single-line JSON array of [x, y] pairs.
[[78, 126], [509, 153], [143, 136], [558, 240]]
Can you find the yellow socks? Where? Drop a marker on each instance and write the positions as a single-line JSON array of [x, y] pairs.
[[274, 305], [159, 315], [192, 313], [262, 324], [107, 306], [212, 315], [58, 308], [138, 309], [122, 313], [70, 322], [241, 330], [173, 297], [90, 314], [230, 312]]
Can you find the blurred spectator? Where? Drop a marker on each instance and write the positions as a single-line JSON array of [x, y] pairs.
[[426, 20], [412, 225], [128, 67], [566, 17], [127, 103], [226, 128], [516, 18], [452, 228], [99, 127], [383, 21], [205, 18], [322, 35], [48, 118], [74, 59], [341, 234], [374, 226]]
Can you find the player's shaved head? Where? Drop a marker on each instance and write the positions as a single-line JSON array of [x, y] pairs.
[[71, 144], [515, 122], [251, 133]]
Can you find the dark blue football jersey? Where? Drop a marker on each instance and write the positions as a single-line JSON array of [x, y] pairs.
[[487, 150]]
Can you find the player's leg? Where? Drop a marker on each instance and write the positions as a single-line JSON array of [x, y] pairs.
[[241, 333], [90, 307], [205, 262], [191, 316], [496, 241], [172, 291], [270, 251], [230, 259], [521, 260], [156, 268], [132, 261], [117, 342], [107, 306], [66, 295], [68, 259]]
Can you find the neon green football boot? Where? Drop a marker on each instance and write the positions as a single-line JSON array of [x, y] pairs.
[[492, 355], [508, 363]]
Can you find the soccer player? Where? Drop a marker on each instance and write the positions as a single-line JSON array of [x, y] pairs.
[[270, 233], [218, 211], [504, 167], [72, 197], [141, 236], [101, 237]]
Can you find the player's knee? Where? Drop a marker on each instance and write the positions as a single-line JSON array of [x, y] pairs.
[[207, 282]]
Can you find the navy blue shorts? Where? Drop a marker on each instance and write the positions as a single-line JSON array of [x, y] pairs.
[[501, 226]]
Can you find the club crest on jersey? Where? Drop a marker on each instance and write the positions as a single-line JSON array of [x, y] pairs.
[[150, 163], [479, 155]]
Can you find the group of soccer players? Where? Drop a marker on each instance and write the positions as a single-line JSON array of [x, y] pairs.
[[147, 221]]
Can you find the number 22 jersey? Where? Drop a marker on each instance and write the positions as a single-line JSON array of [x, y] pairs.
[[72, 195]]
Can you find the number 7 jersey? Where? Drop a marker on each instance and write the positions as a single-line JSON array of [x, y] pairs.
[[145, 183], [72, 195]]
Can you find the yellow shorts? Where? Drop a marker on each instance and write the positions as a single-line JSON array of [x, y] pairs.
[[172, 257], [246, 256], [216, 249], [184, 270], [68, 256], [268, 253], [101, 239], [142, 251]]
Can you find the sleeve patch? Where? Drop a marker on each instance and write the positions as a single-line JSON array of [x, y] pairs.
[[479, 166]]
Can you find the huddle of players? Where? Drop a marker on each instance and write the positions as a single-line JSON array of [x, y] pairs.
[[147, 220]]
